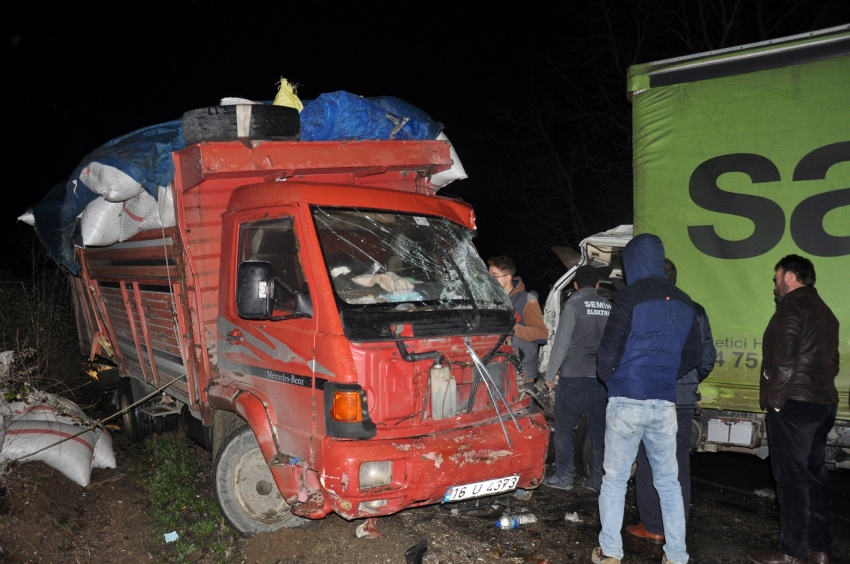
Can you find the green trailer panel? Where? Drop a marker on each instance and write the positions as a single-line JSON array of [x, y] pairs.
[[741, 158]]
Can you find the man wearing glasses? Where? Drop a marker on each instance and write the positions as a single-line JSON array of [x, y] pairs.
[[530, 331]]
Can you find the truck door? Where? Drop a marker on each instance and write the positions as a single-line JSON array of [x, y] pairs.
[[271, 357]]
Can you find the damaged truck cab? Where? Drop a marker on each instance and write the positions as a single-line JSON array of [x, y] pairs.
[[328, 330]]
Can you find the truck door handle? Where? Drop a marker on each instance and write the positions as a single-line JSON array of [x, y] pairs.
[[234, 336]]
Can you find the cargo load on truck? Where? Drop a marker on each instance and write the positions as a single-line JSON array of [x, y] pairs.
[[318, 317], [124, 186]]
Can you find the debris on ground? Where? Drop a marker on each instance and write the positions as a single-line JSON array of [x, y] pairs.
[[368, 528], [490, 511], [765, 492], [416, 553], [572, 517]]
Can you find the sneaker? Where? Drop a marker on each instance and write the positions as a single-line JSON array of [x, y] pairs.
[[559, 483], [665, 561], [593, 483], [598, 557]]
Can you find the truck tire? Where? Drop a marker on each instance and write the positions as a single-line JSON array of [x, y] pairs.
[[224, 424], [582, 448], [134, 424], [219, 123], [245, 490]]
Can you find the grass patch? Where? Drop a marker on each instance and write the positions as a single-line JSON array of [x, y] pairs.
[[177, 479]]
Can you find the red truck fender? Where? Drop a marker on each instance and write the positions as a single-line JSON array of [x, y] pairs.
[[287, 476], [252, 410]]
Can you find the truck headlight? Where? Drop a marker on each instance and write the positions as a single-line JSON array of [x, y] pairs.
[[375, 474]]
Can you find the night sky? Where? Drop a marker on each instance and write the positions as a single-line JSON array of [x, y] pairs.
[[75, 77]]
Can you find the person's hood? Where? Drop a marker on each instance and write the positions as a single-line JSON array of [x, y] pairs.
[[643, 257], [519, 285]]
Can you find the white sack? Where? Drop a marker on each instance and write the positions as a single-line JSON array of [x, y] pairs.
[[101, 223], [42, 421], [138, 211], [28, 218], [455, 173], [109, 182], [6, 358], [165, 199], [144, 212], [104, 454], [73, 457]]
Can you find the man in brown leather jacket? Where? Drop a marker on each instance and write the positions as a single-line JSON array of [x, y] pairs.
[[799, 365]]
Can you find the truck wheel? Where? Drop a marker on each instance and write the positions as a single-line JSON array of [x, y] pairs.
[[133, 423], [219, 123], [582, 448], [245, 490]]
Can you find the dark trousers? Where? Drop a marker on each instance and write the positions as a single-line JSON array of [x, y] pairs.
[[649, 506], [573, 397], [797, 436]]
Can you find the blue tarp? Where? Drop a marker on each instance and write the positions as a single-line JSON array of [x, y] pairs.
[[145, 156], [344, 116]]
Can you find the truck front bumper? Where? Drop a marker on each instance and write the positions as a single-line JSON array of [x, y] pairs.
[[425, 467]]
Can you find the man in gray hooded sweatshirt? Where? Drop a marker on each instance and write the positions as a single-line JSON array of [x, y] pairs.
[[580, 328]]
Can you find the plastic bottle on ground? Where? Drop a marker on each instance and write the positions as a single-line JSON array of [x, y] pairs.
[[515, 521]]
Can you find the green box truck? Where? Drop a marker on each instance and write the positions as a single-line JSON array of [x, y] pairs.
[[740, 157]]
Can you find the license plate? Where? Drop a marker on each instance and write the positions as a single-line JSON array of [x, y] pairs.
[[480, 489]]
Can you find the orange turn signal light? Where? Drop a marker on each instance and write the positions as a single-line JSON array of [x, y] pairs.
[[346, 407]]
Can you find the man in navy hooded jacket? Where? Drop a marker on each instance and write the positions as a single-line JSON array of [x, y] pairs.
[[652, 338]]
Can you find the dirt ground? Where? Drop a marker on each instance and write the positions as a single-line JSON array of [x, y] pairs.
[[45, 518]]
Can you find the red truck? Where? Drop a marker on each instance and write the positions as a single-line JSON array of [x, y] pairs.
[[327, 328]]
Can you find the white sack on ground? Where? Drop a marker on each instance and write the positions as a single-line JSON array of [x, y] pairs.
[[43, 421], [101, 223], [73, 457], [457, 171], [6, 358], [109, 182]]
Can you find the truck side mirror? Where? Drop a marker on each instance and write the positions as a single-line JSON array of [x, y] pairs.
[[254, 290], [304, 303]]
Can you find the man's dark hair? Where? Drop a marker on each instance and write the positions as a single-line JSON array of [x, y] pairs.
[[670, 269], [586, 276], [505, 264], [802, 268]]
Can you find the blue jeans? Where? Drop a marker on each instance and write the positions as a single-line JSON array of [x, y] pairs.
[[627, 423], [649, 508]]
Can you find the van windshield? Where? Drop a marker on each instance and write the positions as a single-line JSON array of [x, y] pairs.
[[404, 262]]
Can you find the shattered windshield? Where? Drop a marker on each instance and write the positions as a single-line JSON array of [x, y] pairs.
[[410, 262]]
